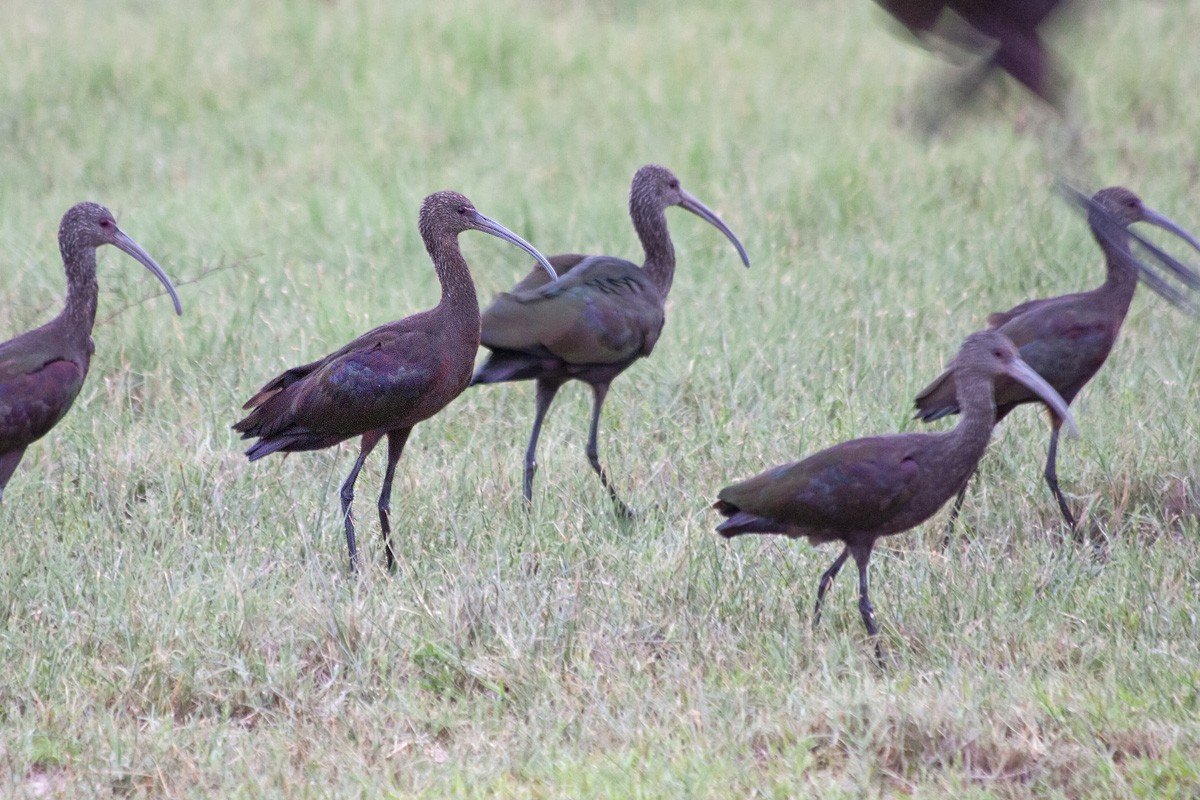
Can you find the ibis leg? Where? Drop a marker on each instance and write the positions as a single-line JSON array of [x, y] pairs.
[[1052, 475], [827, 579], [369, 440], [599, 392], [545, 396], [957, 507], [8, 465], [396, 440], [862, 556]]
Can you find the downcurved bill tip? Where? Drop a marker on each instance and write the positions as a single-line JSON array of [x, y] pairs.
[[708, 215], [124, 243], [1020, 371], [1171, 226], [489, 225]]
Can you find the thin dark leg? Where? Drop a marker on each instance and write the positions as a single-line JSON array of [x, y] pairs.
[[369, 440], [396, 440], [958, 502], [599, 392], [8, 465], [862, 556], [545, 396], [1052, 475], [827, 579]]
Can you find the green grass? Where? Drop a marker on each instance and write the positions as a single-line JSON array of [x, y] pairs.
[[179, 623]]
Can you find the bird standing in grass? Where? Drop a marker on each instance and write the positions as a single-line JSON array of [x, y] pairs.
[[602, 315], [858, 491], [389, 379], [1066, 339], [42, 370]]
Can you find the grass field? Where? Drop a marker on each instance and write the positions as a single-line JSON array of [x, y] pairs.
[[175, 622]]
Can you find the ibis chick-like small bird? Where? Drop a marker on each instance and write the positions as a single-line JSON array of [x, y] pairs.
[[389, 379], [42, 370], [857, 491]]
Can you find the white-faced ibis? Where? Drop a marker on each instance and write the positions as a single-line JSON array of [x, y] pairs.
[[42, 371], [858, 491], [1066, 339], [390, 378], [602, 315], [1003, 33]]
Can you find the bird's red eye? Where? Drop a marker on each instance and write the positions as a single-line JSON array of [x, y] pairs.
[[107, 223], [462, 209]]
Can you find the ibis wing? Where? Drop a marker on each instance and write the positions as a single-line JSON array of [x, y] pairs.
[[1065, 342], [286, 378], [388, 379], [32, 402], [391, 378], [938, 399], [1032, 311], [537, 277], [998, 319], [1065, 339], [853, 486], [29, 352], [603, 311]]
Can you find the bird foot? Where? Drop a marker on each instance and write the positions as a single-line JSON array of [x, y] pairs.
[[881, 660], [625, 513]]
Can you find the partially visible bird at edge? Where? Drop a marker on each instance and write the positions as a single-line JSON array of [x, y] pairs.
[[1000, 34], [389, 379], [1066, 339], [603, 314], [858, 491], [42, 370]]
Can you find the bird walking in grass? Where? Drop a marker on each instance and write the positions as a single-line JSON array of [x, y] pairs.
[[603, 314], [389, 379], [1066, 339], [42, 370], [858, 491]]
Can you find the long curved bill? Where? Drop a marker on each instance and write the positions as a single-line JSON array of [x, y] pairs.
[[1018, 370], [1118, 235], [122, 241], [1167, 224], [708, 215], [489, 225]]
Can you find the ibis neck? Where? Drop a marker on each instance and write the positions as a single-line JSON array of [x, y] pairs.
[[458, 290], [79, 313], [977, 408], [651, 227], [1122, 276]]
